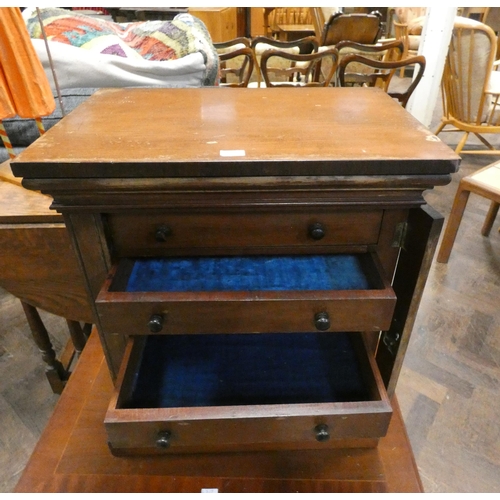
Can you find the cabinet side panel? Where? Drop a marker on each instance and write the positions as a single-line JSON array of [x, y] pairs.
[[415, 259], [87, 233]]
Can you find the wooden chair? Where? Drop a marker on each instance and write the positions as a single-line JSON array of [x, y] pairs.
[[485, 182], [470, 86], [303, 68], [478, 13], [319, 16], [391, 50], [408, 24], [235, 58], [261, 44], [361, 28], [386, 50], [382, 74]]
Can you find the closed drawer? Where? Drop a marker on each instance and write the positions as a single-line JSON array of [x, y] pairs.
[[154, 234], [205, 393], [249, 294]]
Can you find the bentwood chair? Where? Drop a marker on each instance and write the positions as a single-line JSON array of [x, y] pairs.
[[235, 58], [485, 182], [301, 69], [381, 74], [261, 44], [470, 86]]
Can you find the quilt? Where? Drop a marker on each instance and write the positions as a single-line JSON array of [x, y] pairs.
[[151, 52]]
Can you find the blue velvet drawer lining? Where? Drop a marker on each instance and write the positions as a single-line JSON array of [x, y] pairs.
[[251, 369], [252, 273]]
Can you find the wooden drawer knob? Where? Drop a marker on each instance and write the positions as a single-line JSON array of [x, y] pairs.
[[162, 233], [322, 433], [163, 440], [322, 321], [317, 231], [155, 323]]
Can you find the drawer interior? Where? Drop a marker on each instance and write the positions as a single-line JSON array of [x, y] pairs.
[[248, 273], [253, 369]]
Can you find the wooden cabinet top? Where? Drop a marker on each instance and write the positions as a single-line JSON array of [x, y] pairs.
[[220, 132]]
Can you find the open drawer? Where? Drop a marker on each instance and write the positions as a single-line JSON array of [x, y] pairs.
[[206, 393], [247, 294]]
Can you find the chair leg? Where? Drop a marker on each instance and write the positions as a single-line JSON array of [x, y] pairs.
[[485, 142], [457, 211], [440, 128], [490, 218], [462, 142]]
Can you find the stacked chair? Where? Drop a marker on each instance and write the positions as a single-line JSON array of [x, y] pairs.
[[372, 72], [346, 51], [235, 58], [295, 63]]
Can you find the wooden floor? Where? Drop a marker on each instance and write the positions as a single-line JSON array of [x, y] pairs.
[[449, 390]]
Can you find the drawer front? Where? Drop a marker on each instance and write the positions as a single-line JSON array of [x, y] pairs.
[[164, 436], [334, 312], [135, 427], [247, 294], [154, 234]]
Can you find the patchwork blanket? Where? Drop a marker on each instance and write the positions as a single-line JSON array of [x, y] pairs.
[[91, 52]]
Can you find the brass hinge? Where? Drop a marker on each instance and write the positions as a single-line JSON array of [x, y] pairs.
[[391, 341], [400, 233]]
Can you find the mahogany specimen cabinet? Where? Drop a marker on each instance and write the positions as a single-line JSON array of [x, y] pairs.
[[254, 258]]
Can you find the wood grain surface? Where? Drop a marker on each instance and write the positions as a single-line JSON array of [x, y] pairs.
[[19, 205], [195, 132], [38, 262]]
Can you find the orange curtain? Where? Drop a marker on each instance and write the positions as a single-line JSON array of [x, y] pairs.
[[6, 104], [24, 87]]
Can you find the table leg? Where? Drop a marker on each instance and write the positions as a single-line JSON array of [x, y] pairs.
[[55, 371], [78, 335]]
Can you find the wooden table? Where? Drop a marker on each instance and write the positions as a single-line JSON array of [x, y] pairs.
[[289, 32], [72, 455], [40, 268]]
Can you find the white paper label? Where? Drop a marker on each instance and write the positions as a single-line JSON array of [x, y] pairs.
[[232, 152]]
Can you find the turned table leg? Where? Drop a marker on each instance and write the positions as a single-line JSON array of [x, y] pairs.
[[55, 371], [78, 335]]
